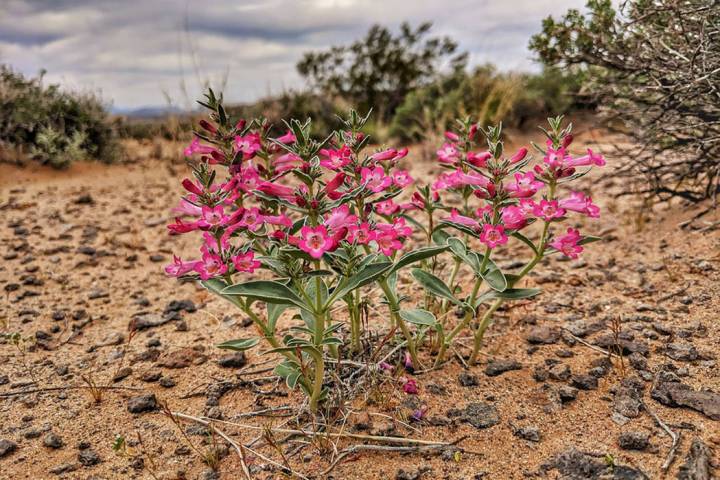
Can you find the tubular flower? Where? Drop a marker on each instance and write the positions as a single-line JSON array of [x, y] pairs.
[[315, 241], [288, 161], [248, 144], [245, 262], [548, 210], [288, 139], [213, 217], [579, 202], [252, 219], [386, 207], [361, 234], [586, 160], [402, 178], [519, 155], [514, 217], [524, 186], [448, 153], [277, 190], [210, 266], [339, 217], [387, 242], [375, 179], [179, 268], [479, 159], [568, 243], [493, 235], [196, 147], [455, 217], [333, 185], [335, 159]]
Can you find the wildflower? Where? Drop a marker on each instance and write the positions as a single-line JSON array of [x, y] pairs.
[[388, 154], [453, 137], [288, 139], [519, 155], [493, 235], [279, 220], [361, 234], [407, 362], [478, 159], [245, 262], [213, 217], [210, 266], [568, 243], [410, 386], [196, 147], [248, 179], [182, 227], [419, 413], [525, 185], [387, 242], [187, 208], [455, 217], [548, 210], [513, 217], [179, 268], [192, 187], [402, 178], [375, 179], [458, 178], [335, 159], [586, 160], [339, 217], [277, 190], [385, 366], [315, 241], [286, 162], [252, 219], [248, 145], [386, 207], [527, 206], [448, 153], [579, 202], [332, 186], [480, 212]]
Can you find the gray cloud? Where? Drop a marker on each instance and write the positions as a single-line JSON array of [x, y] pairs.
[[133, 51]]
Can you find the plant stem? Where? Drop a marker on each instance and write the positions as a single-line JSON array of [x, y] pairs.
[[394, 309], [318, 381]]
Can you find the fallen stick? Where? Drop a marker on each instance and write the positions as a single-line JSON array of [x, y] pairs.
[[69, 387], [674, 436]]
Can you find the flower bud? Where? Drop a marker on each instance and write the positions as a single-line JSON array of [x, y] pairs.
[[208, 126], [567, 140], [453, 137], [519, 155]]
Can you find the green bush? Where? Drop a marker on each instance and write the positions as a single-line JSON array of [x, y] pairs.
[[52, 126]]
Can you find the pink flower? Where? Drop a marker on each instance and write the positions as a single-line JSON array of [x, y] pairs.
[[288, 138], [458, 178], [479, 159], [335, 159], [248, 145], [277, 190], [555, 158], [179, 268], [493, 235], [181, 227], [455, 217], [196, 147], [448, 153], [387, 242], [514, 218], [252, 219], [527, 206], [419, 413], [519, 156], [525, 185], [286, 162], [210, 266], [187, 208], [213, 217], [245, 262], [332, 186], [586, 160], [385, 366], [315, 241], [339, 217], [548, 210], [375, 179], [402, 178], [386, 207], [480, 212], [192, 187], [579, 202], [567, 243], [453, 137], [398, 227], [280, 220], [360, 234], [388, 154], [410, 386]]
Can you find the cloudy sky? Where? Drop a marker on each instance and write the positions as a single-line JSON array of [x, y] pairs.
[[132, 51]]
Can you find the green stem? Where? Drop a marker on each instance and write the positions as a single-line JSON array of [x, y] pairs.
[[394, 309], [318, 381]]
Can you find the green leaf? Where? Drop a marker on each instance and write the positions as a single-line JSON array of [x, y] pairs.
[[274, 310], [459, 249], [419, 316], [239, 345], [494, 277], [434, 285], [589, 239], [267, 291], [509, 294], [216, 286], [367, 275], [440, 236], [462, 228], [416, 256]]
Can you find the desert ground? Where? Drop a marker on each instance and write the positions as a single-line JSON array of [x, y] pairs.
[[100, 343]]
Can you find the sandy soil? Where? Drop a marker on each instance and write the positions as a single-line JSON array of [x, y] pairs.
[[83, 252]]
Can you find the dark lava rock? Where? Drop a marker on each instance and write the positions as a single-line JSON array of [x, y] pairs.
[[567, 393], [682, 352], [467, 379], [638, 362], [698, 464], [628, 398], [576, 465], [88, 457], [560, 372], [64, 468], [51, 440], [182, 358], [167, 382], [677, 394], [542, 335], [481, 415], [7, 447], [498, 367], [531, 434], [235, 360], [627, 346], [634, 440], [585, 382], [124, 372], [85, 199], [142, 403], [180, 305], [147, 320]]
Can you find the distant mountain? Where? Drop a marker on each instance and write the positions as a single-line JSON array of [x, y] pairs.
[[147, 112]]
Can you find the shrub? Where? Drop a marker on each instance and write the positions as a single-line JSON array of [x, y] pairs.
[[328, 221], [53, 126], [655, 66]]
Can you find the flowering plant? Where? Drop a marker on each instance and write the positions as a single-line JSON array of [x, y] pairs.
[[325, 219]]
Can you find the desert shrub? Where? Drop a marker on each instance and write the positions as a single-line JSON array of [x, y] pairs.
[[655, 67], [381, 69], [53, 126]]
